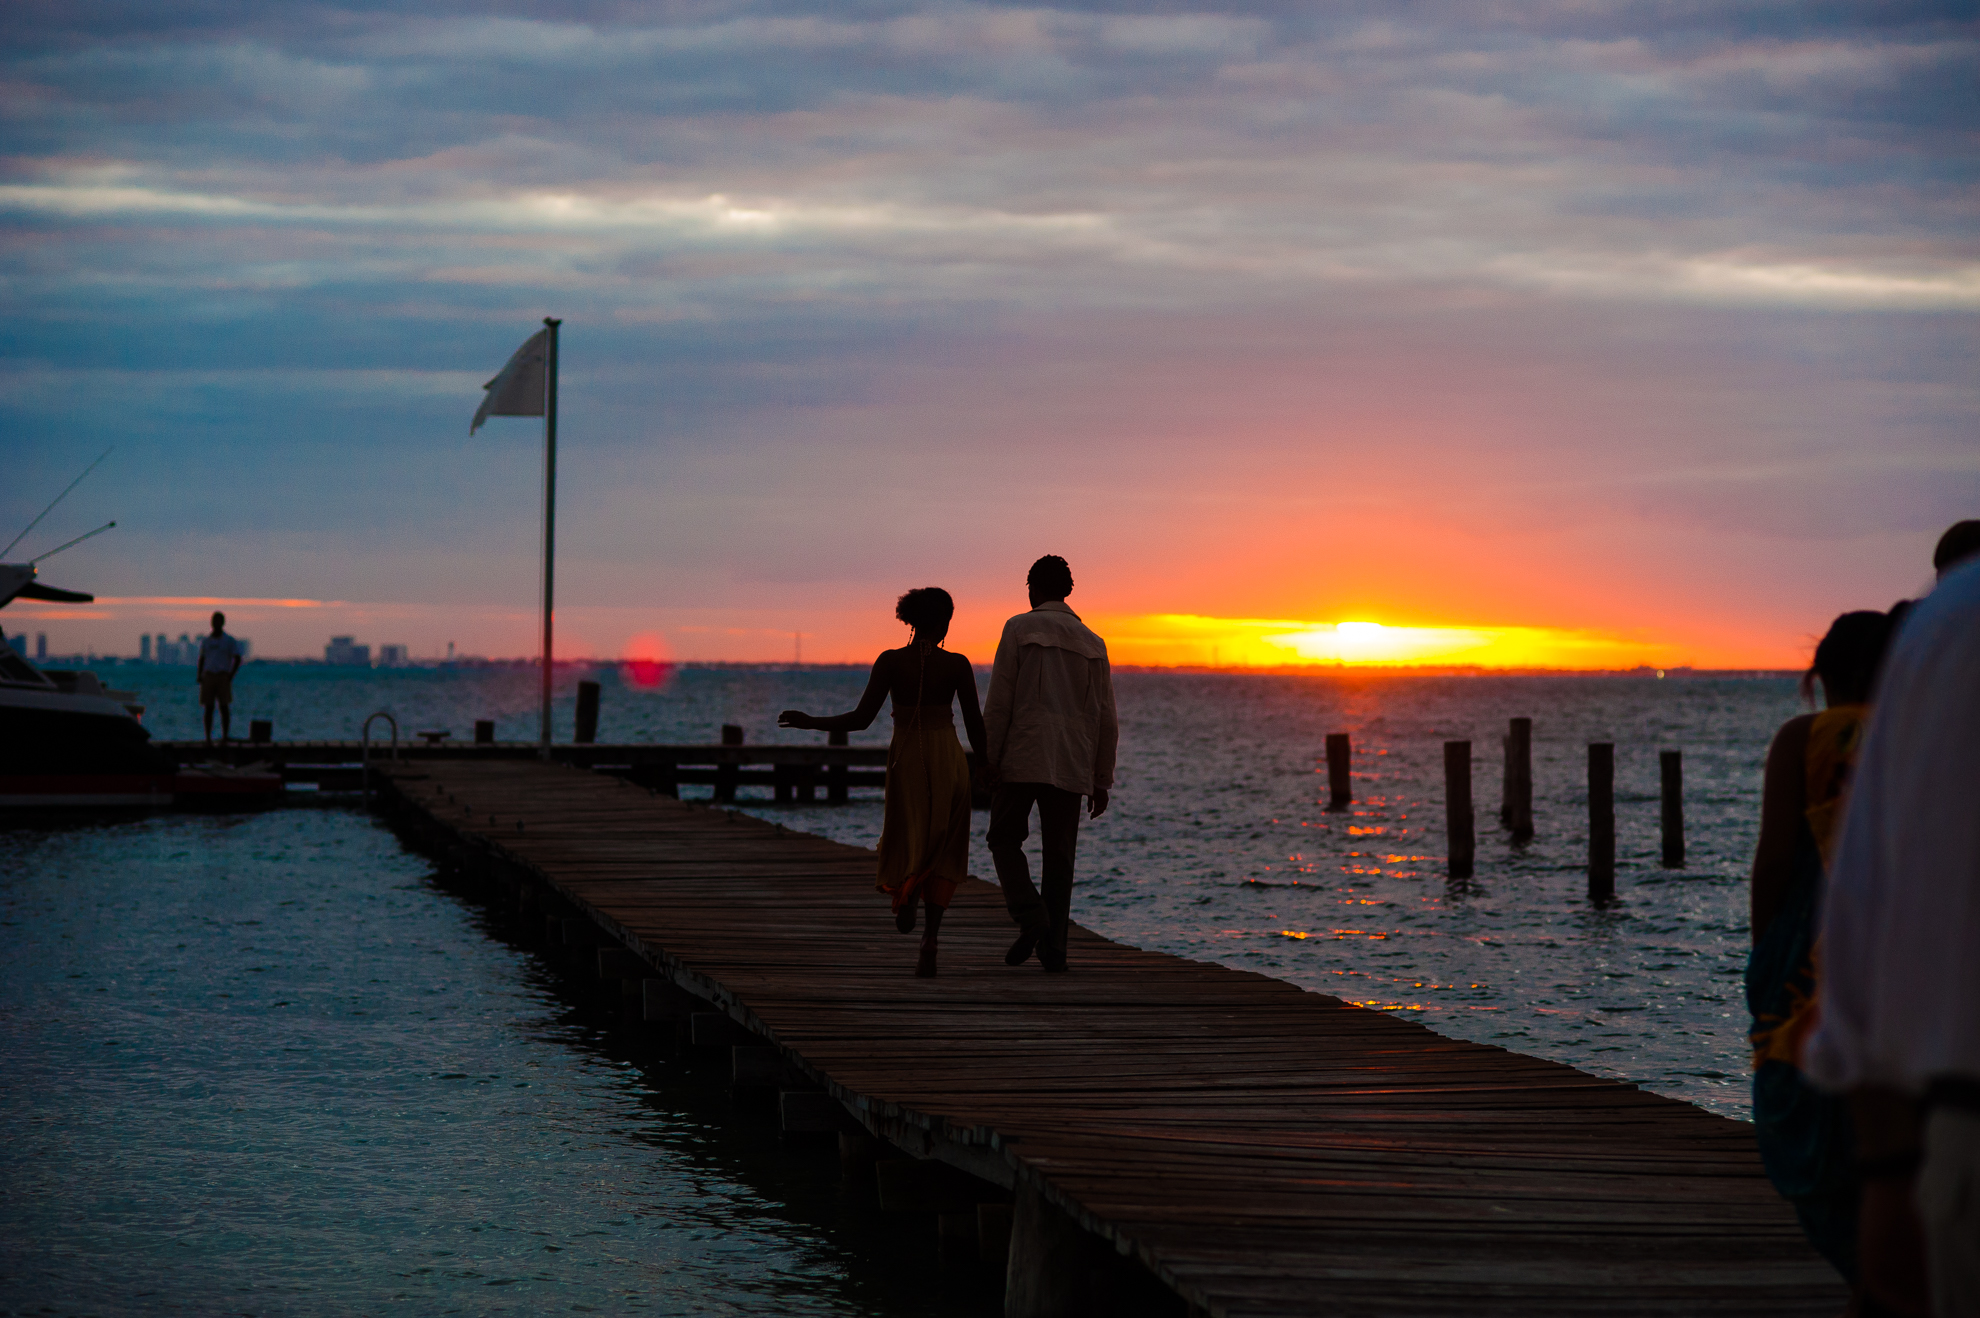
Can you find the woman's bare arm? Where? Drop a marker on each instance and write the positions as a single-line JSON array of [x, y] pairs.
[[1783, 808], [972, 713], [861, 717]]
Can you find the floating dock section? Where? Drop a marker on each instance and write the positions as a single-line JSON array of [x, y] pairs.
[[1144, 1124]]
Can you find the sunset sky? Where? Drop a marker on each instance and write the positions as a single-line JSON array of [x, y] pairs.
[[1582, 334]]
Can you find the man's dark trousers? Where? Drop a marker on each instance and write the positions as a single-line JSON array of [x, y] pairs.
[[1058, 833]]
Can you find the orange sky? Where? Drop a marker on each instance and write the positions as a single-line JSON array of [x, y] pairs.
[[292, 628]]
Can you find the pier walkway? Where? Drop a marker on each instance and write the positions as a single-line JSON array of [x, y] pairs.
[[1261, 1149]]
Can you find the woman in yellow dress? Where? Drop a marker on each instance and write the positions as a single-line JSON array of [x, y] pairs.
[[924, 837]]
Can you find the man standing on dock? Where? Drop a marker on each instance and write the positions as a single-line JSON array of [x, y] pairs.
[[219, 660], [1052, 734]]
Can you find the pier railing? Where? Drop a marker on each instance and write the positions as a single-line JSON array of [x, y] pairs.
[[796, 773]]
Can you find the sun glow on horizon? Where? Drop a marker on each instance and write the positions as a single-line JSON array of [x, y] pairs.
[[1188, 639]]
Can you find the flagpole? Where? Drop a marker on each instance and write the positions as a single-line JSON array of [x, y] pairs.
[[549, 513]]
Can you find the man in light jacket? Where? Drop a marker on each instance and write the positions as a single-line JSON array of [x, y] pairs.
[[1052, 732]]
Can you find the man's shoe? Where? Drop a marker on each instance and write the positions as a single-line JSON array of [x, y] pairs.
[[924, 965], [904, 918], [1021, 950]]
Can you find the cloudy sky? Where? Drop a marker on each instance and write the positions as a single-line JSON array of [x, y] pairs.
[[1643, 331]]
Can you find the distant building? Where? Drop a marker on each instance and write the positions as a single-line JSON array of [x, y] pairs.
[[40, 647], [341, 651], [144, 649], [391, 656]]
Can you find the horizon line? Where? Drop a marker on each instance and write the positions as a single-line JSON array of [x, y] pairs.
[[1336, 668]]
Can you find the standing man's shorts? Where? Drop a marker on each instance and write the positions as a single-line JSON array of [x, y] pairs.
[[216, 689]]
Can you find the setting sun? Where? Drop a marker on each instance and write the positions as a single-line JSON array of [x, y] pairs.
[[1180, 638]]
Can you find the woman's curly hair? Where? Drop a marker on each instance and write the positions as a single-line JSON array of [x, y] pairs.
[[927, 609]]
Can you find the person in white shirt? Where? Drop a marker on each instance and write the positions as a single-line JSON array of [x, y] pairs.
[[1052, 732], [219, 660], [1899, 1028]]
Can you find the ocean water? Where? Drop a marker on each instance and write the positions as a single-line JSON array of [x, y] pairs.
[[267, 1064], [270, 1064]]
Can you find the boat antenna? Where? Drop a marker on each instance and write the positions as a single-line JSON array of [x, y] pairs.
[[78, 540], [51, 507]]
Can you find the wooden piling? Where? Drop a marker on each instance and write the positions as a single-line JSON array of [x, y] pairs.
[[1457, 808], [725, 774], [661, 1001], [1601, 820], [1518, 809], [758, 1066], [993, 1233], [859, 1152], [1506, 782], [261, 731], [1043, 1277], [484, 731], [835, 775], [1671, 764], [622, 963], [1339, 756], [810, 1112], [955, 1236], [587, 713]]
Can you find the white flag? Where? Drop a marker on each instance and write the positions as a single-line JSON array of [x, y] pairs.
[[518, 389]]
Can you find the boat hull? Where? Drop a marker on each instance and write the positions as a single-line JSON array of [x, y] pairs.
[[59, 790], [45, 732], [196, 788], [82, 748]]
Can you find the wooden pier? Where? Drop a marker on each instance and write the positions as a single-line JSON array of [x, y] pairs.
[[1256, 1148]]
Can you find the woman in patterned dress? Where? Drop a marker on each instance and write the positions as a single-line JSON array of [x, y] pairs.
[[924, 837]]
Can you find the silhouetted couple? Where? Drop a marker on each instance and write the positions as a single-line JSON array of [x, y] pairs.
[[1045, 738]]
